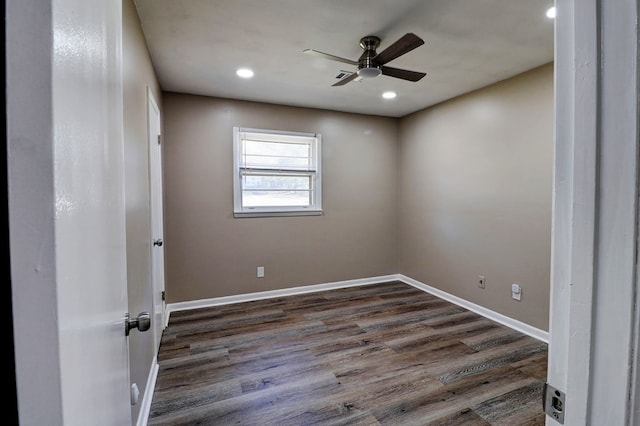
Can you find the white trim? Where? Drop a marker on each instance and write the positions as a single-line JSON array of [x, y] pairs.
[[278, 213], [480, 310], [593, 311], [239, 298], [145, 407], [487, 313], [278, 133]]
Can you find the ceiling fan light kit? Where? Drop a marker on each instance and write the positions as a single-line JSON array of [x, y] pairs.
[[371, 64], [369, 72]]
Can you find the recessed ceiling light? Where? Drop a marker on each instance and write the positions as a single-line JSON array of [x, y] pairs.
[[244, 73], [389, 95], [551, 12]]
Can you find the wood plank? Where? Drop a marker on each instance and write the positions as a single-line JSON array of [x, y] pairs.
[[383, 354]]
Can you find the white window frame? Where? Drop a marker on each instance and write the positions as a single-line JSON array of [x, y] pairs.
[[314, 172]]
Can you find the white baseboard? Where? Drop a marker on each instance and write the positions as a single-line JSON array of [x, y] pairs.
[[145, 407], [225, 300], [485, 312]]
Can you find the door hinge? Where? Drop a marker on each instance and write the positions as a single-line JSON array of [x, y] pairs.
[[553, 402], [162, 295], [159, 139]]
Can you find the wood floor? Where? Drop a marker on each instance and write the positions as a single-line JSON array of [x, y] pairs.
[[382, 354]]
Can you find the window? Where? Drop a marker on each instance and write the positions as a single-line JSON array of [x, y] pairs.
[[276, 173]]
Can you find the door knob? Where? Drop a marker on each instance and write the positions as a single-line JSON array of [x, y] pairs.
[[157, 242], [142, 323]]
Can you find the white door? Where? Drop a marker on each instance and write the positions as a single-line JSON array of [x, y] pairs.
[[157, 228], [67, 212], [91, 263]]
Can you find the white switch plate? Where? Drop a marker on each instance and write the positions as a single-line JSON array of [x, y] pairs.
[[260, 272], [516, 292]]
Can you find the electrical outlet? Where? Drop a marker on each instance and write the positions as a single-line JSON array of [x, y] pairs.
[[481, 281], [516, 292], [260, 272]]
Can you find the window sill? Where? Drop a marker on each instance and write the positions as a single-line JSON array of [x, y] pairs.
[[278, 213]]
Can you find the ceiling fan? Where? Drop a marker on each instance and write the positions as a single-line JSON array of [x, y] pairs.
[[372, 64]]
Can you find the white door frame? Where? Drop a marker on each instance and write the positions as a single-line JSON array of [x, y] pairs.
[[154, 131], [593, 323]]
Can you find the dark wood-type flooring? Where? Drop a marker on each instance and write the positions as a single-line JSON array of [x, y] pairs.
[[382, 354]]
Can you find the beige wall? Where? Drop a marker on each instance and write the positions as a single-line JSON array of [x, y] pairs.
[[138, 74], [446, 194], [475, 181], [211, 254]]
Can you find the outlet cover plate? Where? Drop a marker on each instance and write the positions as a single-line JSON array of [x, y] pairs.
[[482, 281], [516, 292]]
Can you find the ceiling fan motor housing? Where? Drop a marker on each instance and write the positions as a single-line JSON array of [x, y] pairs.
[[367, 68]]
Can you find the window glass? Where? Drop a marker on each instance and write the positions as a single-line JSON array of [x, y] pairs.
[[276, 173]]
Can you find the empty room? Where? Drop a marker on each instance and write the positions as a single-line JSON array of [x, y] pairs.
[[314, 230], [285, 212]]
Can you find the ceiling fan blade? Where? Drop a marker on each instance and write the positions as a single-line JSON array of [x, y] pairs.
[[329, 56], [404, 44], [403, 74], [347, 79]]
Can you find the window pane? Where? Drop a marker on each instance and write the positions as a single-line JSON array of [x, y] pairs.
[[259, 154], [279, 163], [276, 148], [275, 198], [262, 190], [271, 182]]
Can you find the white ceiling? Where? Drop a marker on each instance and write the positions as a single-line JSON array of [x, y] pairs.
[[197, 45]]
